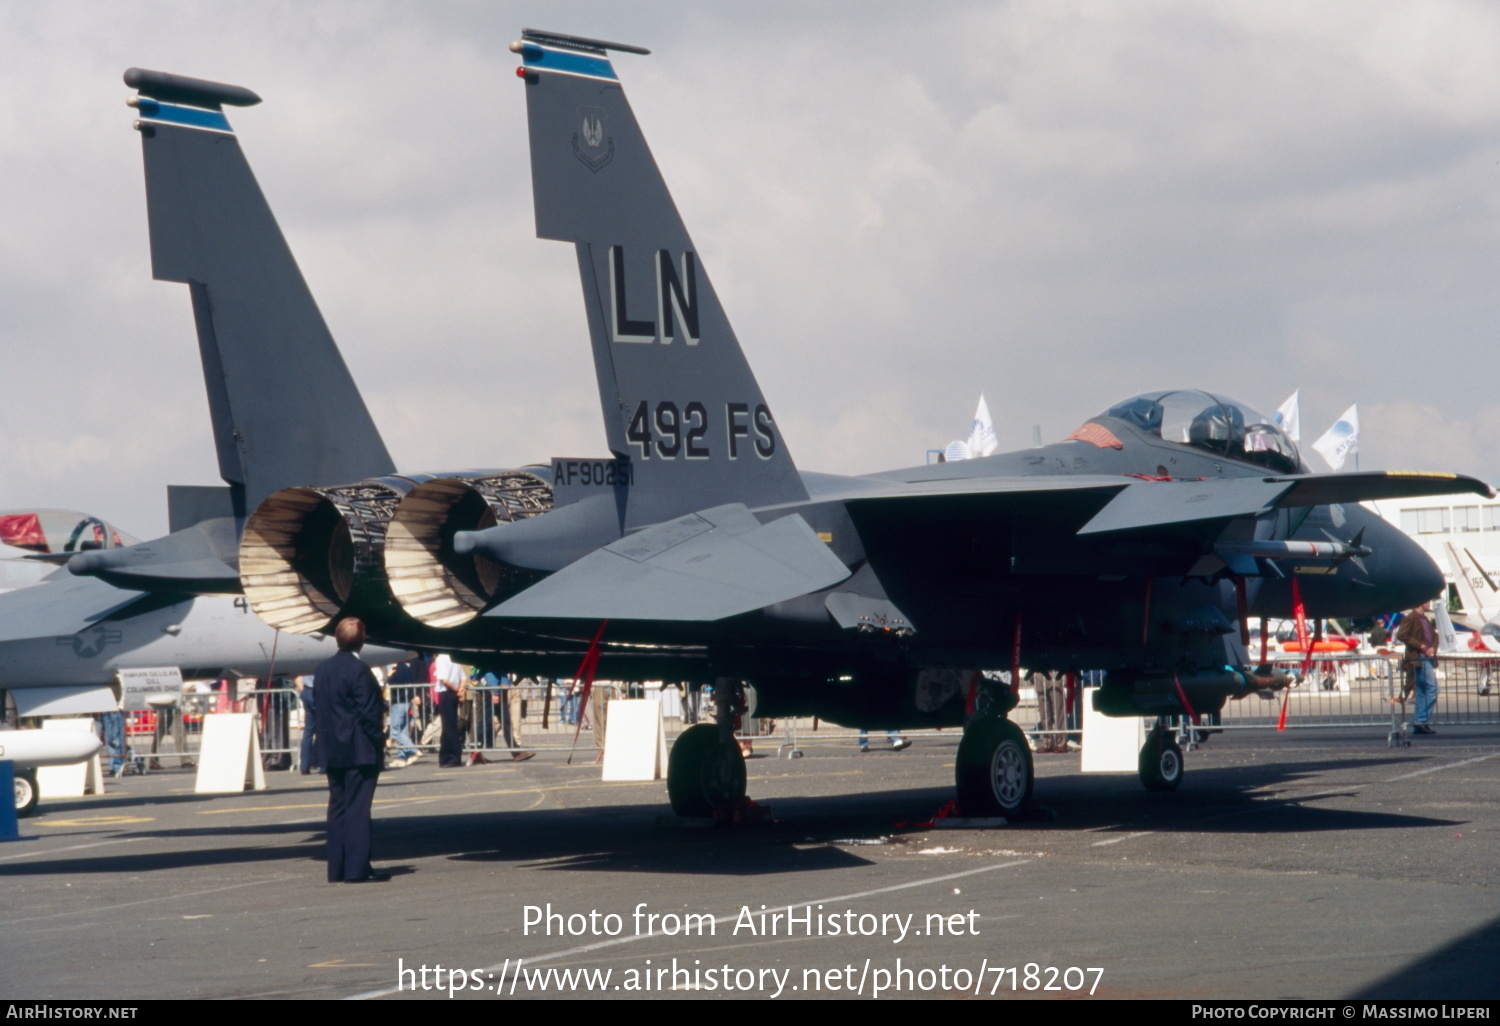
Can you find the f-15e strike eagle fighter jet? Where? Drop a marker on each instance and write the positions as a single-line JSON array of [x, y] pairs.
[[699, 552]]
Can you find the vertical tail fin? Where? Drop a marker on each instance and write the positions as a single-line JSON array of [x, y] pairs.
[[285, 410], [1477, 608], [678, 396]]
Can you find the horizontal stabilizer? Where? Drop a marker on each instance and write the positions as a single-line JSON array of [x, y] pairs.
[[700, 567], [203, 560], [863, 491], [56, 747], [540, 36], [548, 542]]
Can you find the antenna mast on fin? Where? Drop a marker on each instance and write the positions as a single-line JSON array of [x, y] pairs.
[[574, 42]]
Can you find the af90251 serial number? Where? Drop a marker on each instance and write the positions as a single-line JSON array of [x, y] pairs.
[[665, 430], [591, 473]]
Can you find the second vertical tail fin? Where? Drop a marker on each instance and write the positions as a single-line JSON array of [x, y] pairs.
[[678, 396], [285, 409]]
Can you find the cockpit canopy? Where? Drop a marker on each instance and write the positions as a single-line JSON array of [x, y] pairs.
[[58, 530], [1215, 423]]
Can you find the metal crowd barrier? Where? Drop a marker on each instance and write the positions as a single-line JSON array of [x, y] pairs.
[[1338, 691], [497, 720], [164, 737], [1366, 691], [525, 701]]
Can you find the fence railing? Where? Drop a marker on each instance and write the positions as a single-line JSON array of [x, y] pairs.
[[1368, 690], [499, 722]]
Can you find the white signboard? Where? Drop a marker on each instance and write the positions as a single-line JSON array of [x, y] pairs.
[[138, 686], [1111, 744], [635, 745], [229, 760]]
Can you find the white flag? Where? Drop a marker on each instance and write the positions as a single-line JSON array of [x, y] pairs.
[[1288, 419], [982, 440], [1341, 439]]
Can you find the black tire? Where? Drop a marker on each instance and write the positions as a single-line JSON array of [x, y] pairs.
[[993, 772], [704, 774], [1161, 762], [27, 793]]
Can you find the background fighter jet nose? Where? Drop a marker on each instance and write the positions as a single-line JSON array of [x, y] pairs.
[[464, 542]]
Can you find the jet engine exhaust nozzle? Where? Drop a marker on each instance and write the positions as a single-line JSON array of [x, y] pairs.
[[443, 583], [308, 553]]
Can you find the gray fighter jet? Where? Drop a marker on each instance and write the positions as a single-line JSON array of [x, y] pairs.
[[63, 639], [698, 551]]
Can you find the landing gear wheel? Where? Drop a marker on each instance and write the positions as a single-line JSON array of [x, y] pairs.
[[1161, 762], [704, 774], [27, 793], [993, 770]]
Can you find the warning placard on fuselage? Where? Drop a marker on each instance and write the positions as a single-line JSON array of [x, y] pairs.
[[141, 685]]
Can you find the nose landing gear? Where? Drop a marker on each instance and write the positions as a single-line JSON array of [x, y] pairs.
[[993, 771], [1161, 761]]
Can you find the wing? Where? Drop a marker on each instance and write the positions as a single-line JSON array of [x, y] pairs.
[[722, 562]]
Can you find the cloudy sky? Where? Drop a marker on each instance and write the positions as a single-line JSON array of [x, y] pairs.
[[1058, 204]]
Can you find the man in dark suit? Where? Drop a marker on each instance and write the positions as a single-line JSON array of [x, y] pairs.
[[349, 744]]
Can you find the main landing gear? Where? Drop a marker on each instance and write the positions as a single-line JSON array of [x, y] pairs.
[[27, 793], [705, 770], [993, 771]]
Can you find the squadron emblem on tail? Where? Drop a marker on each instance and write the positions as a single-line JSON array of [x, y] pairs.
[[589, 143]]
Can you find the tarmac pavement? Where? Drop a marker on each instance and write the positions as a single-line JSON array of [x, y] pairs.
[[1317, 864]]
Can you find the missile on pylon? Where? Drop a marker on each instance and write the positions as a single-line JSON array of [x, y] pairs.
[[31, 748]]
